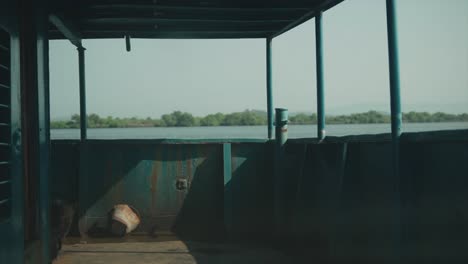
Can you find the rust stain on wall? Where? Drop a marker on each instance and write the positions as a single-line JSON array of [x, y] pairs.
[[154, 182]]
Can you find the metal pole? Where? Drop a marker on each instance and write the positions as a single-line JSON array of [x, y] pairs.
[[394, 69], [320, 85], [395, 116], [281, 136], [82, 181], [127, 43], [269, 88], [44, 133], [83, 122]]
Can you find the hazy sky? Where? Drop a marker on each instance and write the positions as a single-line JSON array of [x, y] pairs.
[[207, 76]]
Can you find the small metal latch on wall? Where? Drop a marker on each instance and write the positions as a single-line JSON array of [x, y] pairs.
[[181, 184]]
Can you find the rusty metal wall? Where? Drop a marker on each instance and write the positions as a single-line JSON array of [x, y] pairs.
[[339, 193], [147, 176]]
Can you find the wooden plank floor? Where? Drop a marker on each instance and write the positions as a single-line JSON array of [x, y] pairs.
[[165, 250]]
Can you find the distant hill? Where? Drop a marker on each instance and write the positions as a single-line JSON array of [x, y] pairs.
[[456, 108]]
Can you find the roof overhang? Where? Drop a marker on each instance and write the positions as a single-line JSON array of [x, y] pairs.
[[183, 19]]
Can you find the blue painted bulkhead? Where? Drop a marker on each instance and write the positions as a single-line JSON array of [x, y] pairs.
[[339, 193], [144, 174]]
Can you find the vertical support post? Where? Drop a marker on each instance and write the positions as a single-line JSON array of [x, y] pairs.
[[394, 68], [269, 80], [281, 136], [83, 121], [228, 190], [44, 129], [320, 82], [82, 185], [394, 73], [13, 234]]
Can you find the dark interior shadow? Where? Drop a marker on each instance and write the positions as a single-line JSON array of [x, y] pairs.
[[201, 215], [249, 193], [312, 174]]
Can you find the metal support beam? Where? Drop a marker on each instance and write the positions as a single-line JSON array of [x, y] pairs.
[[394, 69], [42, 47], [103, 11], [67, 28], [83, 121], [141, 21], [269, 69], [396, 118], [228, 8], [320, 82], [323, 6], [169, 34], [83, 146]]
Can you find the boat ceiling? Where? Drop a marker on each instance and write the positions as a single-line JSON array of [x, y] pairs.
[[184, 19]]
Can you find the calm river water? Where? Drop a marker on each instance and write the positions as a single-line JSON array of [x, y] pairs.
[[252, 132]]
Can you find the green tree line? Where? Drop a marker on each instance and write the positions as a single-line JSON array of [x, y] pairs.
[[250, 118]]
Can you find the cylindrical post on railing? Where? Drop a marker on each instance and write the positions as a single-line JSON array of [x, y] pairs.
[[281, 123], [281, 135]]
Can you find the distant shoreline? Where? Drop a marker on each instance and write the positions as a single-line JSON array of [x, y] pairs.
[[250, 118], [290, 124]]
